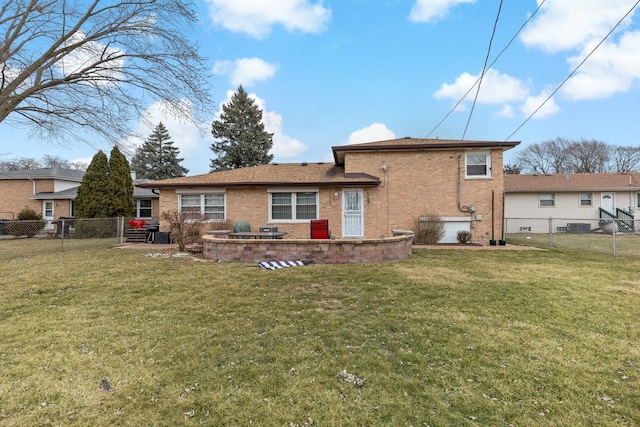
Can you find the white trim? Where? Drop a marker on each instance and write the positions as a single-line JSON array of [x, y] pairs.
[[293, 192], [345, 226], [202, 203], [487, 155], [200, 190]]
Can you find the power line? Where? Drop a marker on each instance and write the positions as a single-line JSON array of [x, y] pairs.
[[574, 70], [488, 68], [484, 70]]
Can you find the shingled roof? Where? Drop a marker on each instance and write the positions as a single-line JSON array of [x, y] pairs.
[[45, 173], [409, 143], [572, 182], [273, 174]]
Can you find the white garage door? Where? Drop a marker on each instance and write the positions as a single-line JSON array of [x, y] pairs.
[[451, 227]]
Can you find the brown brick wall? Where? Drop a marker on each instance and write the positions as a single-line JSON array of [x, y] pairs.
[[419, 182], [416, 183], [13, 197], [321, 251]]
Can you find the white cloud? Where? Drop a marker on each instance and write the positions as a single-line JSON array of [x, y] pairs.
[[611, 69], [534, 102], [284, 146], [87, 55], [431, 10], [186, 136], [371, 133], [570, 24], [496, 88], [245, 71], [507, 112], [256, 18]]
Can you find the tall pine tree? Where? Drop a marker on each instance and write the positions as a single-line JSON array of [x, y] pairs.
[[157, 158], [120, 186], [92, 200], [240, 138]]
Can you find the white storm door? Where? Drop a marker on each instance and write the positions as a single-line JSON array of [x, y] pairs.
[[607, 202], [47, 212], [352, 214]]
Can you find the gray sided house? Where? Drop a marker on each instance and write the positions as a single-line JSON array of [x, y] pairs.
[[576, 202]]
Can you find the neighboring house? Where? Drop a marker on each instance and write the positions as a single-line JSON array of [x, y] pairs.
[[369, 191], [52, 191], [576, 202]]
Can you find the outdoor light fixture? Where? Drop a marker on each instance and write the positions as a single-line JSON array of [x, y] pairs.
[[336, 195]]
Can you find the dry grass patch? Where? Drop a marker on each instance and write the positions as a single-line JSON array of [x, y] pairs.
[[493, 338]]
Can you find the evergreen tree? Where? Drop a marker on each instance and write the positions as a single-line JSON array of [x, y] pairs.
[[120, 186], [92, 200], [240, 138], [157, 158]]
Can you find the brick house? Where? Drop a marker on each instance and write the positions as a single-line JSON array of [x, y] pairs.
[[52, 191], [577, 202], [369, 190]]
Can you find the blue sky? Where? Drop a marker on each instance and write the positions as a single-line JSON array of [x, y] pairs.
[[337, 72]]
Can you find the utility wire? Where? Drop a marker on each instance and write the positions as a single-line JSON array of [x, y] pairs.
[[488, 68], [575, 70], [484, 70]]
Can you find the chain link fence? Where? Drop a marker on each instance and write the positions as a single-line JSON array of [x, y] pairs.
[[19, 239], [617, 237]]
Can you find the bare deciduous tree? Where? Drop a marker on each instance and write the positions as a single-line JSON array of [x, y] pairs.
[[95, 65], [625, 159], [589, 156], [583, 156]]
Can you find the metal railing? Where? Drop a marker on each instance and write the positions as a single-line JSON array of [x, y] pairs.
[[20, 239], [612, 235]]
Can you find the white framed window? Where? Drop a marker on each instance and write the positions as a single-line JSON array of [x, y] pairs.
[[209, 205], [586, 199], [144, 208], [478, 164], [547, 200], [293, 206]]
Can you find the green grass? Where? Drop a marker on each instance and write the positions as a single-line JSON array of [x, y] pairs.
[[627, 245], [447, 337], [12, 248]]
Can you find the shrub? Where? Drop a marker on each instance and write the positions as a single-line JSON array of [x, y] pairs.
[[463, 236], [186, 228], [29, 223], [429, 229]]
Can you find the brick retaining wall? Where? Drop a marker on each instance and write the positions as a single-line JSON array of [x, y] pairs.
[[320, 251]]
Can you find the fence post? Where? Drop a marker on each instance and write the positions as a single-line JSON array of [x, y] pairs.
[[550, 232], [614, 229], [120, 230], [61, 233]]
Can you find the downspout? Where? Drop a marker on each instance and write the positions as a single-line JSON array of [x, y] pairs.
[[493, 215]]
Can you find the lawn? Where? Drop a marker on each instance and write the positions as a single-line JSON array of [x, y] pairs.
[[447, 337]]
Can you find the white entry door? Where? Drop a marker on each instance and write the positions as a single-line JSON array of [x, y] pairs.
[[608, 203], [352, 214], [47, 212]]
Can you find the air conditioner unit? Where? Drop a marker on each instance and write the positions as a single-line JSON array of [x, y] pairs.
[[578, 227]]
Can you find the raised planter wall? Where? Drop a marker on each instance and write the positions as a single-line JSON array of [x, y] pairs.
[[320, 251]]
